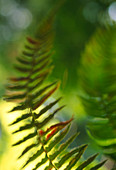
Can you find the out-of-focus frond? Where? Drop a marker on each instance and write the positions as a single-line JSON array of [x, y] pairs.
[[98, 81]]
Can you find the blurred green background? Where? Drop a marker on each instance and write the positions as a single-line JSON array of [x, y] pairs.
[[75, 23]]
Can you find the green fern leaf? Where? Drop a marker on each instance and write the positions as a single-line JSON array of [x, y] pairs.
[[98, 81], [35, 118]]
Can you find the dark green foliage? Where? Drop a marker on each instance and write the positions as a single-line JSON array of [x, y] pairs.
[[98, 81], [30, 94]]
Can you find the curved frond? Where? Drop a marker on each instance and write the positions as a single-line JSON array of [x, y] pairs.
[[98, 81], [30, 94]]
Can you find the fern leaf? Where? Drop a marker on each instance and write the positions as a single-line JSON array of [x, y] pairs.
[[74, 160], [23, 117], [24, 127], [99, 85], [28, 91], [28, 148], [98, 166], [44, 160], [31, 135], [62, 147], [33, 157], [87, 162], [70, 154]]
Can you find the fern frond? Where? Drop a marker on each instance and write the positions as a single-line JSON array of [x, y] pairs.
[[30, 94], [98, 81]]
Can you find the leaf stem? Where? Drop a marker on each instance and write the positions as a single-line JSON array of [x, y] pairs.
[[39, 138]]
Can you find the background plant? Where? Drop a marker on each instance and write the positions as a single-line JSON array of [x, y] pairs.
[[97, 78]]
